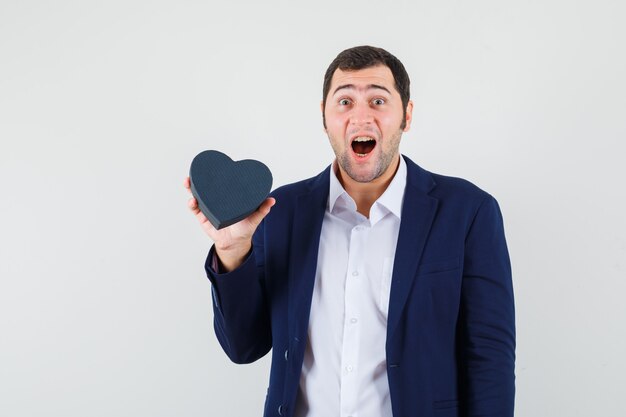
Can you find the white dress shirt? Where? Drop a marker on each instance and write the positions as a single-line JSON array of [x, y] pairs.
[[344, 372]]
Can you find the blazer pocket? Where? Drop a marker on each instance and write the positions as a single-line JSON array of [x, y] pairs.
[[441, 405], [431, 267]]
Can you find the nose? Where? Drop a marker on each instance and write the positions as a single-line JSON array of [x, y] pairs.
[[361, 114]]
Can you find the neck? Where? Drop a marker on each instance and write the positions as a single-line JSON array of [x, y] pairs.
[[365, 194]]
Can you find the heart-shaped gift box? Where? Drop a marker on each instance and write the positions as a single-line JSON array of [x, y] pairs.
[[228, 191]]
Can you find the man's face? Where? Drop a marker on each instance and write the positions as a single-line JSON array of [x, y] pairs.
[[363, 118]]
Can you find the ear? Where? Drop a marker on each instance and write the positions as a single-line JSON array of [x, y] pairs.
[[409, 115], [323, 119]]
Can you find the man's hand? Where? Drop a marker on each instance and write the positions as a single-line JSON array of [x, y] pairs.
[[232, 243]]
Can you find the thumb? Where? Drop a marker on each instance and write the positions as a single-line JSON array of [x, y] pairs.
[[263, 210]]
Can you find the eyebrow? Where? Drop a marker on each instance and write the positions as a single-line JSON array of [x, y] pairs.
[[368, 87]]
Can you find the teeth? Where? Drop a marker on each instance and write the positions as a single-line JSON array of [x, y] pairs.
[[363, 139], [361, 154]]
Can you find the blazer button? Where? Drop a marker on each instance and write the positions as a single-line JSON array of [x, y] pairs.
[[286, 354], [280, 410]]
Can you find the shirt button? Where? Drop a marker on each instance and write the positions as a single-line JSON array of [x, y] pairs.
[[287, 354], [353, 320], [280, 410], [355, 273], [349, 368]]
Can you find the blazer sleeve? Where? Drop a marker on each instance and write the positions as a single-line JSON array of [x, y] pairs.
[[241, 314], [487, 317]]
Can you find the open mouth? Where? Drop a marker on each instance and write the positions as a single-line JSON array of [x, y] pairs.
[[363, 145]]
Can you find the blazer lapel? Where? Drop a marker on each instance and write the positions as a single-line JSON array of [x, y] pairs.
[[418, 213], [307, 228]]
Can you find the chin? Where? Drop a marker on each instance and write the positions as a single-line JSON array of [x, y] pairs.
[[363, 172], [363, 176]]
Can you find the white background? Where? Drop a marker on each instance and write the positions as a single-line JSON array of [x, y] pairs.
[[104, 306]]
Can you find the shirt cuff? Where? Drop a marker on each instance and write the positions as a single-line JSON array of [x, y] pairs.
[[214, 263]]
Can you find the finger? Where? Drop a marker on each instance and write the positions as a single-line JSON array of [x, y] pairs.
[[192, 203], [256, 217], [187, 184], [201, 217]]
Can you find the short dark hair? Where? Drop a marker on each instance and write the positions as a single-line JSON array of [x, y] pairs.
[[360, 57]]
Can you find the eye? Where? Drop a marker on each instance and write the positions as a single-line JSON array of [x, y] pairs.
[[344, 102], [378, 101]]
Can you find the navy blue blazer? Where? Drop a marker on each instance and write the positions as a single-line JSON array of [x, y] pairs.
[[451, 329]]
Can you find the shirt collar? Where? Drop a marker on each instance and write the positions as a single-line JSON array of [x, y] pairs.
[[389, 201], [336, 189]]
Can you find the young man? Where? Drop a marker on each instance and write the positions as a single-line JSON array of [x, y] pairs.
[[381, 288]]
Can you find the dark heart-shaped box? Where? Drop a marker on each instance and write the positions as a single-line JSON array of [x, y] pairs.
[[228, 191]]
